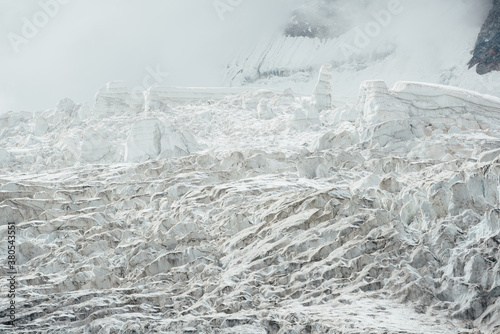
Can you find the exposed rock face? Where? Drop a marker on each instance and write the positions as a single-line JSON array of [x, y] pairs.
[[319, 19], [334, 32], [303, 26], [487, 50]]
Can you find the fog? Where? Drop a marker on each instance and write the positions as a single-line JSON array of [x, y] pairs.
[[78, 45], [83, 44]]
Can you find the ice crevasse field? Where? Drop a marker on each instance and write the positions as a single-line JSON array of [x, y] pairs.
[[310, 193]]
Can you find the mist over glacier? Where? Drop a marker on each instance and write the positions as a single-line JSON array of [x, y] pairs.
[[239, 167], [426, 41], [88, 43], [192, 43]]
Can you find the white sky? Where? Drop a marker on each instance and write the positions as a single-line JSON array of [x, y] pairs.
[[90, 42]]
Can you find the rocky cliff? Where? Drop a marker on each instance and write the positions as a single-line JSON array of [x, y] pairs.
[[486, 54]]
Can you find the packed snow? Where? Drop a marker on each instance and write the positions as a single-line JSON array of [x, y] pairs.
[[256, 211], [392, 40]]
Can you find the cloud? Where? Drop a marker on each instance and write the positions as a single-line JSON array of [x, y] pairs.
[[89, 42]]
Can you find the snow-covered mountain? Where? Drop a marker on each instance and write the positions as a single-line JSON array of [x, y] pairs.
[[428, 41], [487, 49], [265, 209]]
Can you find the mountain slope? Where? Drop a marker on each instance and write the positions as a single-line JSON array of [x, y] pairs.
[[487, 49], [379, 216], [424, 41]]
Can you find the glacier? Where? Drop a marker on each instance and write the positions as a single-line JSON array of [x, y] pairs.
[[252, 210], [392, 40]]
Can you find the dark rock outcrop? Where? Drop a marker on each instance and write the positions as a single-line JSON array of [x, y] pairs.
[[320, 19], [486, 53]]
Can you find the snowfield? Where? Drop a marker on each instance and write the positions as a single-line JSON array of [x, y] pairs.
[[392, 40], [254, 211]]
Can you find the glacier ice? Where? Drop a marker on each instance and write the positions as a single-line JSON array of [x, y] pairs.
[[322, 94], [204, 210]]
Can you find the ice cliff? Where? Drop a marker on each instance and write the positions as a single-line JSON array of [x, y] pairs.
[[424, 41], [248, 211]]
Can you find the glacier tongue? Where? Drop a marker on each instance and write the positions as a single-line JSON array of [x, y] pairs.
[[199, 211]]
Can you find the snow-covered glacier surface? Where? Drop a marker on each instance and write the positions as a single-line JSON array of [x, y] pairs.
[[249, 211]]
